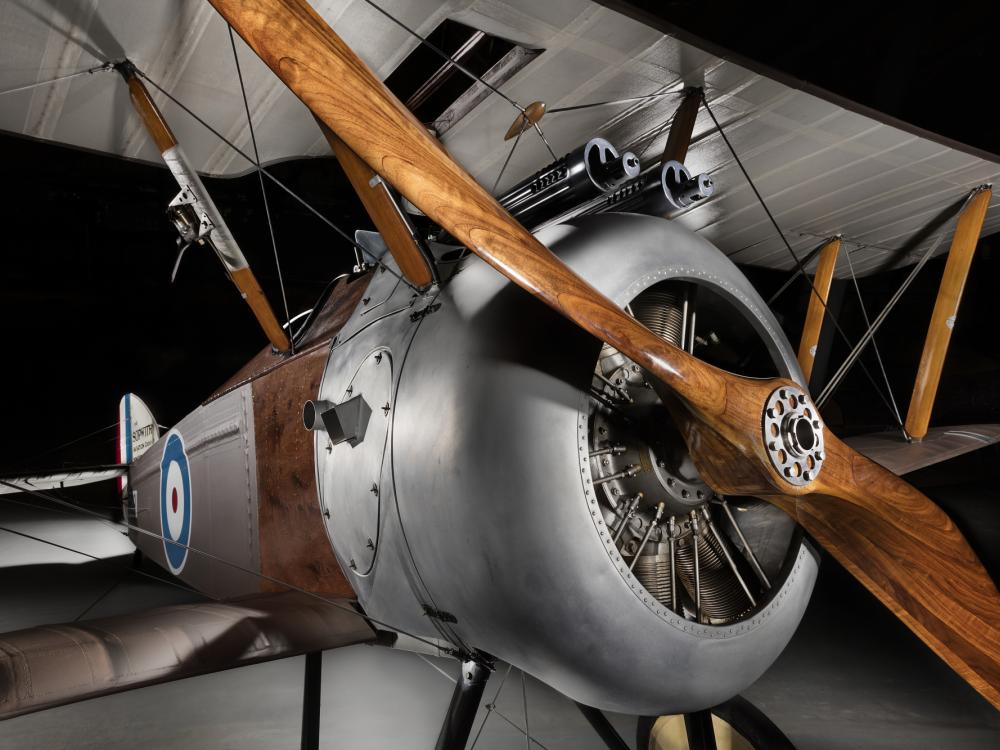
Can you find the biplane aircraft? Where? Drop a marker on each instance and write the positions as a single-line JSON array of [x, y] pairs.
[[546, 421]]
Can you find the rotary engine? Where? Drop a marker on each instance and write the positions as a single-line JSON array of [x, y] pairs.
[[494, 477]]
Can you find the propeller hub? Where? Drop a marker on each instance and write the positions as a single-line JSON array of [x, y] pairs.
[[793, 434]]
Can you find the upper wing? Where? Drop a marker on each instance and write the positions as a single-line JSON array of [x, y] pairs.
[[824, 169]]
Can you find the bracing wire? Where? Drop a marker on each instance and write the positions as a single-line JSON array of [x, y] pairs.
[[852, 357], [506, 161], [445, 56], [795, 258], [263, 188], [458, 66], [302, 201], [613, 102], [89, 71], [101, 560], [524, 703], [223, 561], [878, 354], [490, 708]]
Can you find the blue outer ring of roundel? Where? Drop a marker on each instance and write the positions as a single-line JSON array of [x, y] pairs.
[[177, 553]]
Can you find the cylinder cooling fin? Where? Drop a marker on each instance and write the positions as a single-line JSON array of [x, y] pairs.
[[683, 543]]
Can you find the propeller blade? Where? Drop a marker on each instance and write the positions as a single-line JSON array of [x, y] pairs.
[[725, 418], [911, 556]]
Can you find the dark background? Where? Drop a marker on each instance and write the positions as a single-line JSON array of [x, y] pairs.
[[88, 312]]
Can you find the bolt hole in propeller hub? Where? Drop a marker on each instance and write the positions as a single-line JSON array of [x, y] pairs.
[[793, 434]]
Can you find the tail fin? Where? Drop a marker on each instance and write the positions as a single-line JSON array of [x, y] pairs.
[[137, 431]]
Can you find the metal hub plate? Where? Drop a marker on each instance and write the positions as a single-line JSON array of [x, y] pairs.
[[793, 434]]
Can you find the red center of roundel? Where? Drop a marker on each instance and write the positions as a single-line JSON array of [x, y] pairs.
[[173, 499]]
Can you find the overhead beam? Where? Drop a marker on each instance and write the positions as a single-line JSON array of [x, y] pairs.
[[682, 127], [400, 237], [956, 271], [816, 311], [211, 227]]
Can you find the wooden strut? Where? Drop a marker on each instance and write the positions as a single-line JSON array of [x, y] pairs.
[[682, 127], [956, 271], [391, 224], [232, 259], [816, 311], [894, 540]]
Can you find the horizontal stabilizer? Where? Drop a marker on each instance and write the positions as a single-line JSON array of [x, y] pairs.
[[941, 443], [54, 665], [57, 480]]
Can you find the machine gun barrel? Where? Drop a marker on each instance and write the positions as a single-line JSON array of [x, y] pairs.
[[571, 182]]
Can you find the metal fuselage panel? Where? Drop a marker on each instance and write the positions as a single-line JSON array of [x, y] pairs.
[[217, 502], [246, 517]]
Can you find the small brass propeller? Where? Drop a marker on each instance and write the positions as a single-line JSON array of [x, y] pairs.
[[531, 115]]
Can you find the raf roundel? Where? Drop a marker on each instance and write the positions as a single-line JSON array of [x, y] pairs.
[[175, 502]]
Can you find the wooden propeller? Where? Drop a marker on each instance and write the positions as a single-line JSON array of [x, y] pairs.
[[891, 537]]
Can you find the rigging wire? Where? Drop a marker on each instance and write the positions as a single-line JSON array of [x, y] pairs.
[[126, 568], [263, 190], [795, 257], [490, 708], [870, 333], [627, 100], [510, 153], [229, 563], [445, 56], [80, 439], [878, 355], [524, 700], [104, 594], [27, 87], [305, 204]]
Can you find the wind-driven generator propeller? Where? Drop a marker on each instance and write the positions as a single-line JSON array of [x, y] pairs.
[[762, 438]]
